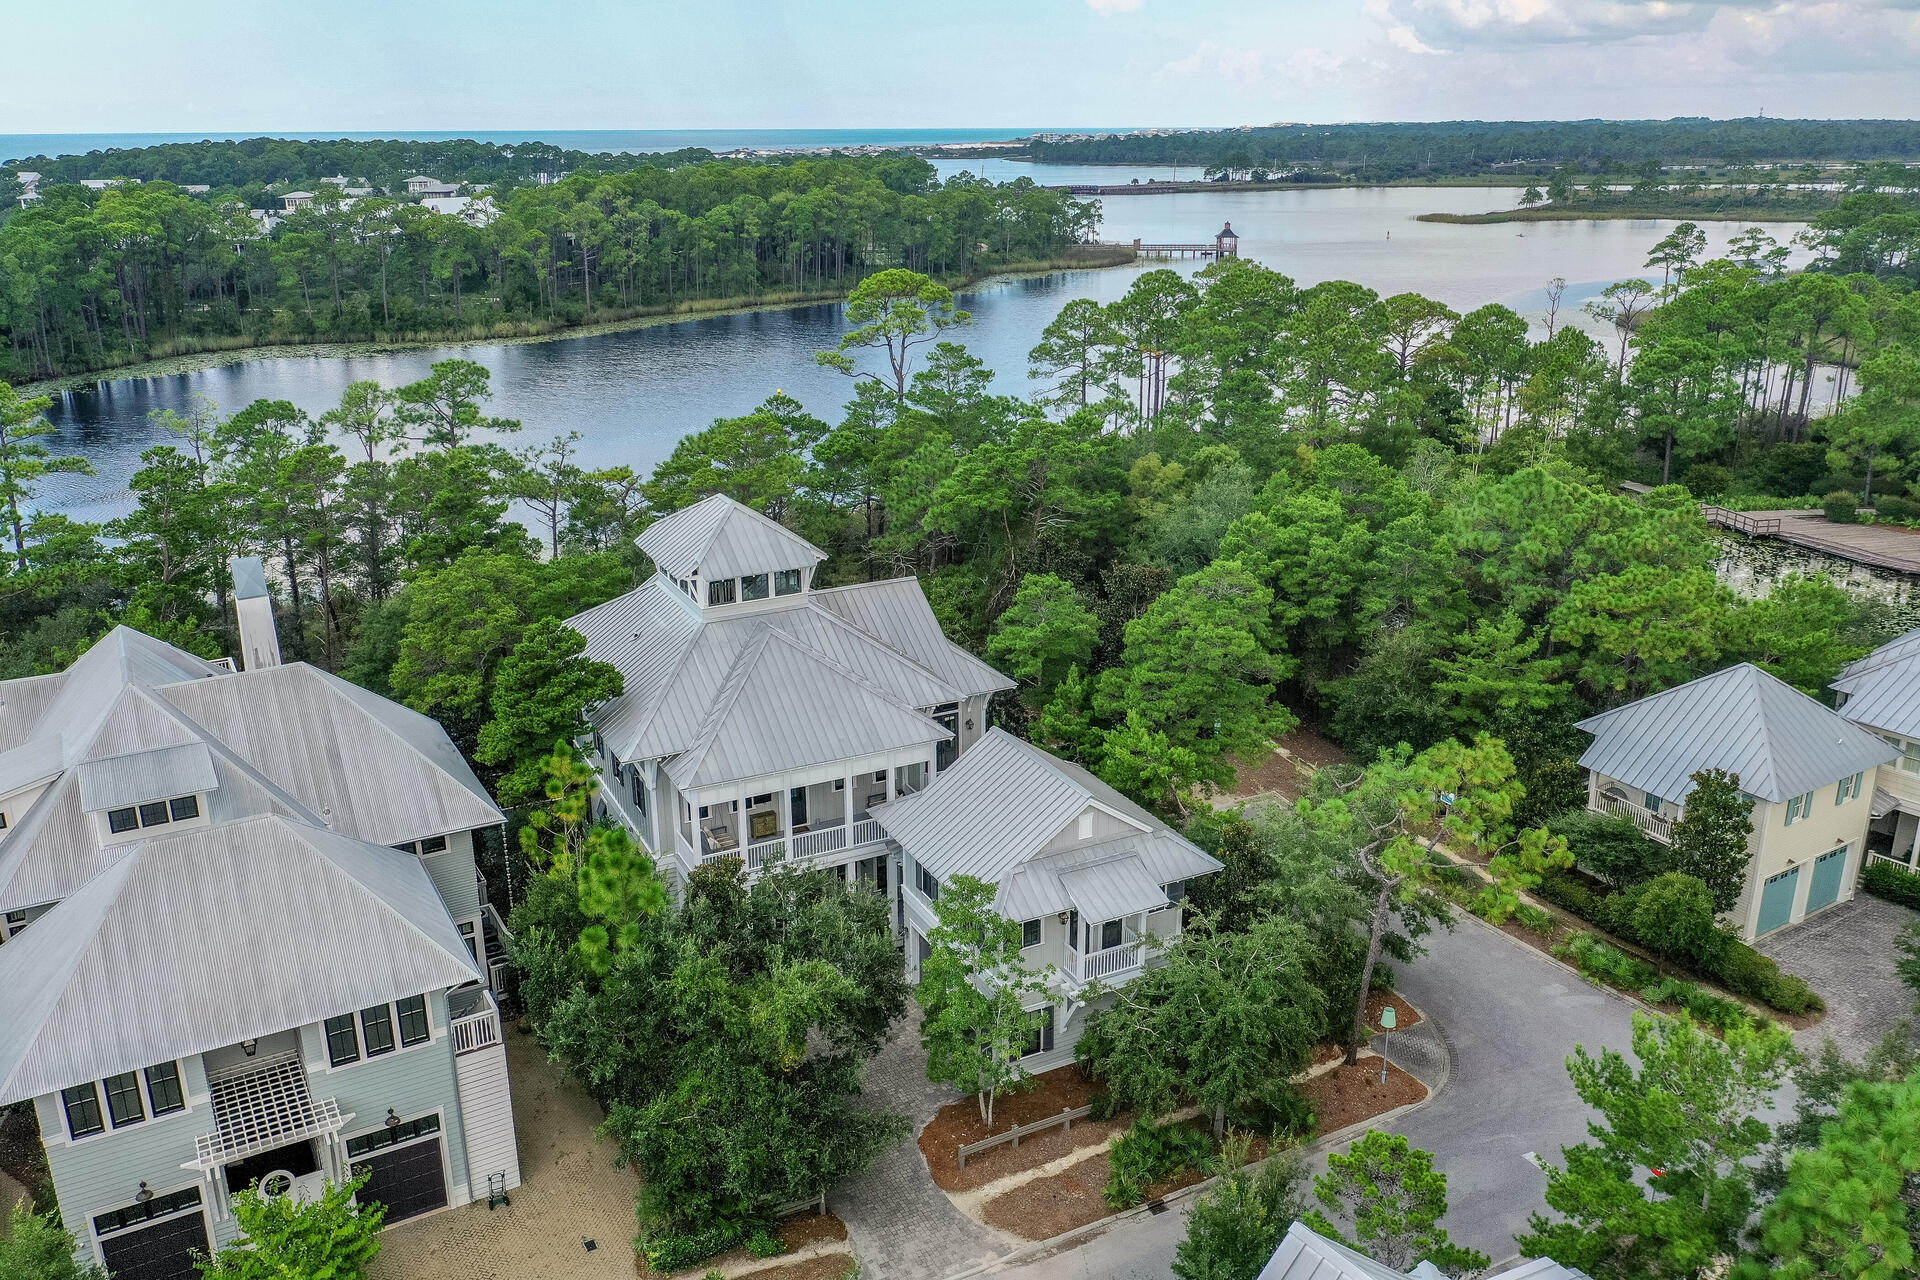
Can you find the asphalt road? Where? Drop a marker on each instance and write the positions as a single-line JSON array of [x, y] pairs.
[[1511, 1018]]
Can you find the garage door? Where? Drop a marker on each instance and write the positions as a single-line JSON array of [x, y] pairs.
[[408, 1181], [163, 1251], [1829, 870], [1776, 900]]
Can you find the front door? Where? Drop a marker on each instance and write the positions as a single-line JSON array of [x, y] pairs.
[[1776, 900], [1829, 871]]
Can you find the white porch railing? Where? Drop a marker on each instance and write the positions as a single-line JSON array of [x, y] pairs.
[[867, 831], [1652, 824], [811, 844], [1903, 863], [759, 855], [475, 1030], [1104, 964]]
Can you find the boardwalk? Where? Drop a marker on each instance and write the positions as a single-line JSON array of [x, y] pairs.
[[1879, 545]]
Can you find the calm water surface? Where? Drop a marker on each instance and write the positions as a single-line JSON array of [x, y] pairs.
[[634, 394]]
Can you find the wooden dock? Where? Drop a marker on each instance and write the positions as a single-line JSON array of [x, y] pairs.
[[1880, 545]]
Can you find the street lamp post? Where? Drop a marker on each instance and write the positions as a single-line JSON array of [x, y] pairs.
[[1388, 1019]]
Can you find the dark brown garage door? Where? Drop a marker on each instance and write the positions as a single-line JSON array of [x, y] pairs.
[[163, 1251], [408, 1181]]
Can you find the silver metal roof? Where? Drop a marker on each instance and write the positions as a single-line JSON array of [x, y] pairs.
[[1305, 1254], [249, 577], [722, 538], [994, 809], [677, 663], [1882, 690], [158, 773], [784, 706], [212, 936], [1113, 888], [1778, 740], [896, 611]]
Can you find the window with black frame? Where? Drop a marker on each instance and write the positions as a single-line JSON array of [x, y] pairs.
[[376, 1027], [720, 591], [753, 587], [413, 1020], [82, 1105], [163, 1088], [786, 582], [124, 1104], [343, 1042], [1040, 1038]]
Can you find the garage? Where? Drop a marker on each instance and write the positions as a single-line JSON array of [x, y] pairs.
[[162, 1251], [407, 1180]]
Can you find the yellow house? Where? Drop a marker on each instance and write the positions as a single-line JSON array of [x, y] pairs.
[[1881, 694], [1810, 773]]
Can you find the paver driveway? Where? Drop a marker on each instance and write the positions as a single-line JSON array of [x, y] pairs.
[[1846, 952]]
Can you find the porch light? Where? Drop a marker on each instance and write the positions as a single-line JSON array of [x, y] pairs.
[[144, 1194], [393, 1120]]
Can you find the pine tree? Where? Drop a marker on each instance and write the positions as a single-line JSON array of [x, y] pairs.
[[1395, 1199], [1710, 839]]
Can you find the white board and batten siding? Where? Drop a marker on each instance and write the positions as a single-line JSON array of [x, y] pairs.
[[487, 1107]]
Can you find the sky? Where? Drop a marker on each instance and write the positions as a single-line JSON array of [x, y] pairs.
[[81, 66]]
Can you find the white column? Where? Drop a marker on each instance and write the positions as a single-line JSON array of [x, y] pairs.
[[847, 809]]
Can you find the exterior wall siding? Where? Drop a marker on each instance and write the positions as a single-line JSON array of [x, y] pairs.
[[454, 876], [1105, 826], [486, 1113], [1779, 847]]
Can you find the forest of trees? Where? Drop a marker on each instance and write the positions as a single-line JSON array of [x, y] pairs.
[[1378, 152], [91, 279]]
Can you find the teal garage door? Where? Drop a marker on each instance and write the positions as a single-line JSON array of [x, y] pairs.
[[1829, 870], [1776, 900]]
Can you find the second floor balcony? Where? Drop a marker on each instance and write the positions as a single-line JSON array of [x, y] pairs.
[[1655, 826], [819, 822]]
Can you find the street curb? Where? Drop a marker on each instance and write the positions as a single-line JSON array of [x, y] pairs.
[[1038, 1249]]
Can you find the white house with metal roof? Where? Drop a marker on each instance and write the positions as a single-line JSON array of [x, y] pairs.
[[1809, 771], [1305, 1254], [767, 719], [1881, 693], [1094, 880], [241, 942]]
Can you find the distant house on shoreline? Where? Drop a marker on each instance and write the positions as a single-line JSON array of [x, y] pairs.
[[421, 185]]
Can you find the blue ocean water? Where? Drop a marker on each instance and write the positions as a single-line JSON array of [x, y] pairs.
[[16, 146]]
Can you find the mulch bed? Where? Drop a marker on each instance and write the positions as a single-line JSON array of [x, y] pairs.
[[958, 1123], [1046, 1207], [22, 1158], [1378, 1000], [796, 1232], [1348, 1095], [826, 1267], [1287, 774]]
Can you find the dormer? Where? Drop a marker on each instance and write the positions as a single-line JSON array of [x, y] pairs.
[[725, 557], [136, 792]]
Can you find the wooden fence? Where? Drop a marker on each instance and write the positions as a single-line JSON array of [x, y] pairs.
[[816, 1204], [1013, 1135]]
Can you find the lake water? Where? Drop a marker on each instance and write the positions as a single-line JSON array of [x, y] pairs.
[[633, 394], [1751, 566]]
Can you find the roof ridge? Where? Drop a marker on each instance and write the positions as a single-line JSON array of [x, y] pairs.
[[858, 630], [732, 684], [306, 836]]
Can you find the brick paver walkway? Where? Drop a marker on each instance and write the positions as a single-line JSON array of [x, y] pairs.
[[569, 1192], [901, 1226], [1846, 953]]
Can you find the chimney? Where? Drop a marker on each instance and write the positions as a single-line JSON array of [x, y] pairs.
[[259, 640]]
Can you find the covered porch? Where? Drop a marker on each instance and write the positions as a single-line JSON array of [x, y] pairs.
[[812, 818], [1892, 831]]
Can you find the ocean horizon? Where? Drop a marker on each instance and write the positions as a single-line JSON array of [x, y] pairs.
[[15, 147]]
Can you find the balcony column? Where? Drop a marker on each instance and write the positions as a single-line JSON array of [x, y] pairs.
[[847, 809]]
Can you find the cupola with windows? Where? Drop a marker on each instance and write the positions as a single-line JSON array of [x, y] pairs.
[[721, 553]]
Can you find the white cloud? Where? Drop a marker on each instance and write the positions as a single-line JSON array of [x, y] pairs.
[[1212, 61], [1107, 8]]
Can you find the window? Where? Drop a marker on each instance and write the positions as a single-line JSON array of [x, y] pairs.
[[183, 807], [786, 582], [753, 587], [928, 886], [376, 1025], [123, 1099], [1086, 826], [1109, 934], [1029, 933], [1176, 892], [136, 1213], [639, 791], [599, 745], [343, 1046], [153, 813], [82, 1103], [3, 822], [1040, 1038], [466, 936], [1848, 788], [1654, 802], [720, 591], [413, 1020], [1799, 807], [433, 844], [1909, 757], [1073, 929], [406, 1131], [947, 750], [163, 1088], [119, 820]]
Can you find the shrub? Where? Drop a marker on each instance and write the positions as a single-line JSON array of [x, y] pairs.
[[765, 1244], [1285, 1114], [1884, 880], [1532, 917], [1571, 893], [669, 1251], [1890, 507], [1707, 1008], [1673, 916], [1745, 972], [1842, 507], [1610, 965], [1705, 480], [1149, 1153], [1101, 1105], [1610, 847]]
